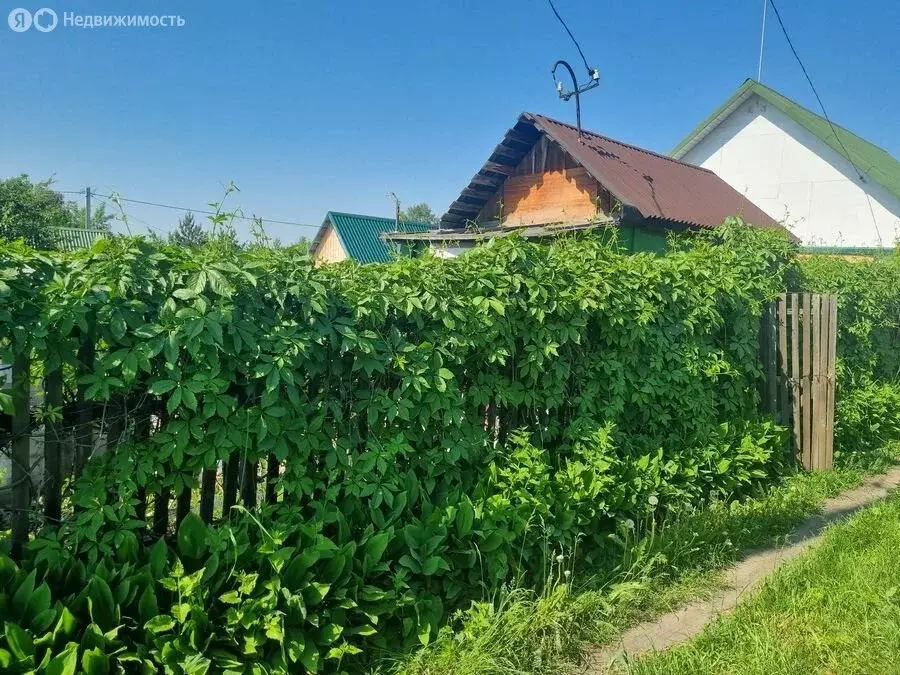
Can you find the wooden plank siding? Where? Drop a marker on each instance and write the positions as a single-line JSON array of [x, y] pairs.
[[548, 186]]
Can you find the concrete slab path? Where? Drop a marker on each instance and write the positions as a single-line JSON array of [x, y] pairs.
[[679, 626]]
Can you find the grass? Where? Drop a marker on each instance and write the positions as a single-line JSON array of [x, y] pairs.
[[835, 610], [527, 632]]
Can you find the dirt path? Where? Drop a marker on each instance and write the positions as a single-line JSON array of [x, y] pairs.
[[676, 627]]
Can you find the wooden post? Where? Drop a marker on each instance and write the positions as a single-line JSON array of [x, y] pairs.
[[21, 452], [53, 397], [771, 405], [207, 494], [806, 382]]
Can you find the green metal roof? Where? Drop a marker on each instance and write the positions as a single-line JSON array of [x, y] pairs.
[[874, 163], [74, 238], [360, 235]]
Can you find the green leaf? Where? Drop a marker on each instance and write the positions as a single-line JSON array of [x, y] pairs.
[[160, 624], [375, 548], [66, 624], [65, 662], [161, 387], [101, 604], [465, 518], [20, 643], [310, 658], [159, 556], [95, 662], [23, 595], [192, 534], [147, 605]]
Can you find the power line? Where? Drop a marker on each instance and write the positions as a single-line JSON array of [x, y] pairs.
[[202, 211], [577, 46], [816, 93]]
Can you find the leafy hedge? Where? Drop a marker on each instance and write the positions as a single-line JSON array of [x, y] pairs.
[[444, 427], [868, 347]]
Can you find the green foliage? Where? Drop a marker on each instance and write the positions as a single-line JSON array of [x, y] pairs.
[[868, 313], [420, 213], [188, 233], [445, 427], [29, 211]]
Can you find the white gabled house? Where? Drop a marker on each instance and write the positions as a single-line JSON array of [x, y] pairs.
[[789, 162]]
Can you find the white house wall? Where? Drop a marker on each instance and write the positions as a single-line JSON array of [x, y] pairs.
[[796, 178]]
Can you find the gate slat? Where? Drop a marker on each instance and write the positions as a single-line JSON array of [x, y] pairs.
[[783, 381], [806, 382], [831, 381], [795, 374]]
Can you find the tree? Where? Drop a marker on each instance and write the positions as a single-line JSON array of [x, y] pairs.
[[100, 219], [420, 213], [188, 233], [29, 210]]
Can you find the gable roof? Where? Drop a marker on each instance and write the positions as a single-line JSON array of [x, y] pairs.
[[73, 238], [361, 235], [875, 163], [652, 185]]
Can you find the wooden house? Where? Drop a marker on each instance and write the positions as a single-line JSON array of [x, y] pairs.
[[545, 178]]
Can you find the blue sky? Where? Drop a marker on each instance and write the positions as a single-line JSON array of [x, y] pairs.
[[317, 106]]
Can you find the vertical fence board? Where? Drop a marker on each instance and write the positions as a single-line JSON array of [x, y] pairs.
[[248, 484], [784, 411], [794, 387], [20, 475], [84, 431], [818, 405], [273, 467], [806, 382], [161, 513], [230, 481], [831, 380], [53, 397], [771, 366], [182, 506], [207, 494]]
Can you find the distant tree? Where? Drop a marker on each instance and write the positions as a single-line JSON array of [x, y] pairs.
[[188, 233], [420, 213], [100, 219], [29, 210]]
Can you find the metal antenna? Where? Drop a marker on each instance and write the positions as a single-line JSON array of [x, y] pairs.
[[576, 90], [762, 41]]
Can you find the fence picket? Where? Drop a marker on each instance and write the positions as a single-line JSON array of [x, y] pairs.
[[207, 494], [53, 397], [806, 382], [794, 388], [20, 474]]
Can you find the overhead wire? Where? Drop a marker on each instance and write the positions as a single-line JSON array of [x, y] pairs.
[[815, 92], [577, 46]]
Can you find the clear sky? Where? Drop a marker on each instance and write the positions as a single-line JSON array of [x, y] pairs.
[[315, 106]]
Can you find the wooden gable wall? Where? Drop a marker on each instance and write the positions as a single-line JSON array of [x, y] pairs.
[[547, 187]]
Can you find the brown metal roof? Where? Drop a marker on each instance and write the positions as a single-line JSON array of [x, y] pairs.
[[654, 185]]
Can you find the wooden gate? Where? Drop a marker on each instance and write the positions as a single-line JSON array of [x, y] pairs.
[[798, 344]]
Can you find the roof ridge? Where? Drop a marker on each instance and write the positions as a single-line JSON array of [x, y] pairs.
[[622, 143], [757, 84], [387, 220]]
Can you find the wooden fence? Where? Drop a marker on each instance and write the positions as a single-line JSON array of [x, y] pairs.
[[798, 345], [45, 455]]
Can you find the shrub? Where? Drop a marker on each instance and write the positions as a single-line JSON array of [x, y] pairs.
[[443, 426]]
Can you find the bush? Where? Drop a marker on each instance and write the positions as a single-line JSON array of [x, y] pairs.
[[444, 427]]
